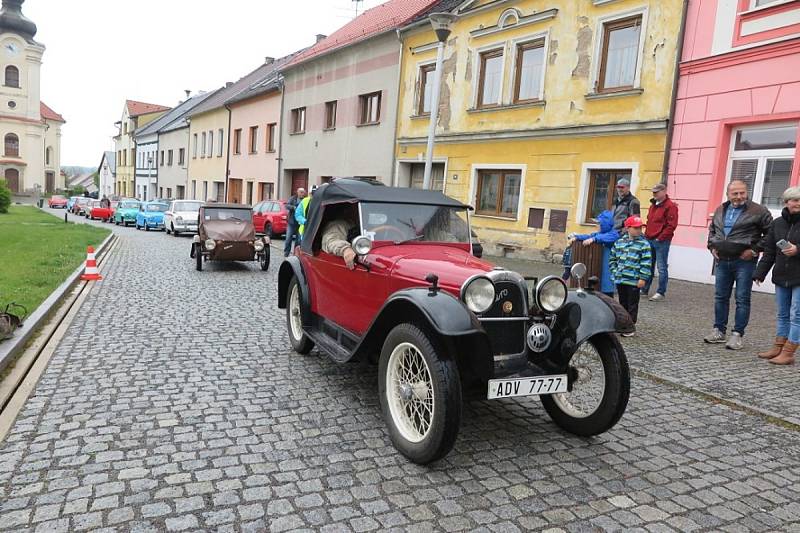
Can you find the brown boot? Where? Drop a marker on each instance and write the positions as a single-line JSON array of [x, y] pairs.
[[786, 356], [775, 350]]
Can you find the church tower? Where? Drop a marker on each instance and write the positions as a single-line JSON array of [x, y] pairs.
[[30, 131]]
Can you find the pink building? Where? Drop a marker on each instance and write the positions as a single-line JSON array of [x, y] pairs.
[[736, 116]]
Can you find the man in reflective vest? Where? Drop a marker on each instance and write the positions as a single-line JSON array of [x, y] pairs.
[[300, 212]]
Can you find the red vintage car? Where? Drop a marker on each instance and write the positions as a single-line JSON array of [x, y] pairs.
[[57, 201], [441, 323], [95, 211], [269, 217]]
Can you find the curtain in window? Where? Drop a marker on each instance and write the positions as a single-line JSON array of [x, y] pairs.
[[745, 170], [510, 194], [776, 180], [623, 48], [492, 79], [530, 76], [490, 185]]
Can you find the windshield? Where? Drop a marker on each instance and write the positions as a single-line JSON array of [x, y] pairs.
[[187, 206], [95, 203], [129, 205], [157, 207], [83, 200], [226, 213], [411, 222]]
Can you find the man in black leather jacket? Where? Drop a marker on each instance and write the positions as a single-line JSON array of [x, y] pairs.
[[735, 238], [292, 227]]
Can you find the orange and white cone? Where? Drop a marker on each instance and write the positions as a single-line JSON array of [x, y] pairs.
[[91, 273]]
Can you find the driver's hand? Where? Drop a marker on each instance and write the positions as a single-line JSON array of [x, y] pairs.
[[349, 257]]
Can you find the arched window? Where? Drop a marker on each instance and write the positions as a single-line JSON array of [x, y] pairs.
[[47, 153], [12, 145], [12, 179], [12, 76]]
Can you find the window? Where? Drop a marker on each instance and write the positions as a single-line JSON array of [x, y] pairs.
[[759, 3], [528, 71], [425, 94], [194, 189], [179, 192], [12, 145], [762, 157], [298, 120], [203, 146], [601, 190], [253, 141], [220, 191], [370, 108], [194, 146], [210, 143], [47, 154], [620, 53], [490, 78], [161, 159], [132, 158], [330, 115], [418, 176], [169, 158], [250, 193], [12, 76], [205, 191], [125, 128], [498, 192], [271, 137], [237, 141], [220, 142], [181, 156]]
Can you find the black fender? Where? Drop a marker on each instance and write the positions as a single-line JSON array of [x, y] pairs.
[[455, 327], [599, 314], [292, 267]]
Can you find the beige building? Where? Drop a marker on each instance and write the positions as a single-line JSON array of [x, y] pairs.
[[31, 131], [134, 115]]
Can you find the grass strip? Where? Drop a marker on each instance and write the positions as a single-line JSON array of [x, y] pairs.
[[38, 252]]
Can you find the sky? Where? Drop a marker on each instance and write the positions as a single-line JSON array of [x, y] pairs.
[[101, 52]]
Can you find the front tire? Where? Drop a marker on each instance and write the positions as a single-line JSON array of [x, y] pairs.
[[268, 231], [599, 394], [301, 343], [263, 259], [420, 393]]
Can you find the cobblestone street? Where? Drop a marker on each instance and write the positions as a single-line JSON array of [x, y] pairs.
[[175, 403]]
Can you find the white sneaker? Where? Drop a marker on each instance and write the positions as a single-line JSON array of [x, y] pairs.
[[657, 297], [715, 337], [734, 341], [629, 334]]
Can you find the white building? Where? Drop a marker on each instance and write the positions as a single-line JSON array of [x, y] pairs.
[[31, 131], [107, 172]]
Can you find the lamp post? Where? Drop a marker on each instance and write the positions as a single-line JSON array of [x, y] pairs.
[[441, 23]]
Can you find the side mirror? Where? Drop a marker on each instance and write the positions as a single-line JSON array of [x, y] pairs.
[[361, 245], [578, 271]]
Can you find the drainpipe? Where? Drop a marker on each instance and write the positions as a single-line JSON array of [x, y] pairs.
[[227, 154], [279, 177], [673, 103], [395, 169]]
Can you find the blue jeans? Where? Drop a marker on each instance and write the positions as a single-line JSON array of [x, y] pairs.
[[292, 236], [729, 271], [787, 301], [660, 255]]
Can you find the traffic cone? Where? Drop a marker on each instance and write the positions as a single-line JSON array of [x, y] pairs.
[[91, 273]]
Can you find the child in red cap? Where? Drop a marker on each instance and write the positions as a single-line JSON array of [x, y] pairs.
[[630, 265]]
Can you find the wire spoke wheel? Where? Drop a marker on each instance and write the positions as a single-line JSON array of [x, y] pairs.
[[589, 386], [301, 343], [295, 321], [410, 392]]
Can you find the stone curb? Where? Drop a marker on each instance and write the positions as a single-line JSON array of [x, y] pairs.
[[10, 348]]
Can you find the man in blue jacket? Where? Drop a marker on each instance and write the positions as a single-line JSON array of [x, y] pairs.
[[607, 236], [292, 226]]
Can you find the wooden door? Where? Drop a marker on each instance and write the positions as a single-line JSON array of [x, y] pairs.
[[299, 179], [49, 182], [12, 179], [235, 191]]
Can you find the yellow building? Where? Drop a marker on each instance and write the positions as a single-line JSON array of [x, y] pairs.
[[134, 115], [543, 107]]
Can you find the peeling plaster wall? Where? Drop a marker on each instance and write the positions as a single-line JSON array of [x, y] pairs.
[[553, 175]]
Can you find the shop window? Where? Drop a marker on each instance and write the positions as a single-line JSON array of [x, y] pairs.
[[498, 192]]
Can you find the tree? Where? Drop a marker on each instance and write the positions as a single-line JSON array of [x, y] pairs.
[[96, 179], [5, 196]]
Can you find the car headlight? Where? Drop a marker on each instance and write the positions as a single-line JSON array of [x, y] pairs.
[[178, 218], [210, 244], [551, 294], [362, 245], [478, 294], [259, 245]]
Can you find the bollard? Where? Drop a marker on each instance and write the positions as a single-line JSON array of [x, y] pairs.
[[65, 216]]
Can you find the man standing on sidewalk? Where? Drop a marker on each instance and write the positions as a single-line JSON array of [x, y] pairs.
[[662, 219], [625, 204], [292, 226], [734, 239]]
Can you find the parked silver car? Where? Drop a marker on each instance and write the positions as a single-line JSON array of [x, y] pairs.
[[181, 217]]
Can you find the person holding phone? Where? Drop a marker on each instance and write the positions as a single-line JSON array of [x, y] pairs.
[[781, 255]]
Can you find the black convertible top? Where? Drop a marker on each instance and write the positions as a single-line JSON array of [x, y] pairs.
[[352, 190]]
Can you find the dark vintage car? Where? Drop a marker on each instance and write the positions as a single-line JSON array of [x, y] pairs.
[[225, 233], [443, 324]]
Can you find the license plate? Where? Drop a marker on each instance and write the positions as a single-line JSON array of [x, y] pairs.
[[508, 388]]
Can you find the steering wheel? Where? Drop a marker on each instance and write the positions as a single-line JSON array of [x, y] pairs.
[[389, 229]]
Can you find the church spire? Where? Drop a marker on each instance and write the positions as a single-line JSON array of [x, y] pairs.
[[12, 20]]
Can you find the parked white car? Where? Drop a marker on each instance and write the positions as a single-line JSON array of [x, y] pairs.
[[181, 217]]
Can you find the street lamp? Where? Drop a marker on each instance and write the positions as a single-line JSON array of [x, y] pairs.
[[441, 23]]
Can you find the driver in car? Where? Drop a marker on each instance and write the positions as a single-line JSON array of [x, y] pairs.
[[337, 233]]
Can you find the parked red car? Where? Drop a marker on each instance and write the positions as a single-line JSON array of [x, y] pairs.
[[269, 217], [96, 212], [57, 201], [442, 324]]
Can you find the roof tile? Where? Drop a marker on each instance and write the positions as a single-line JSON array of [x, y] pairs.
[[49, 114], [142, 108]]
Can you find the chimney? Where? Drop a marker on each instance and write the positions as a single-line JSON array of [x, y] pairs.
[[228, 84], [269, 60], [320, 37], [188, 93]]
